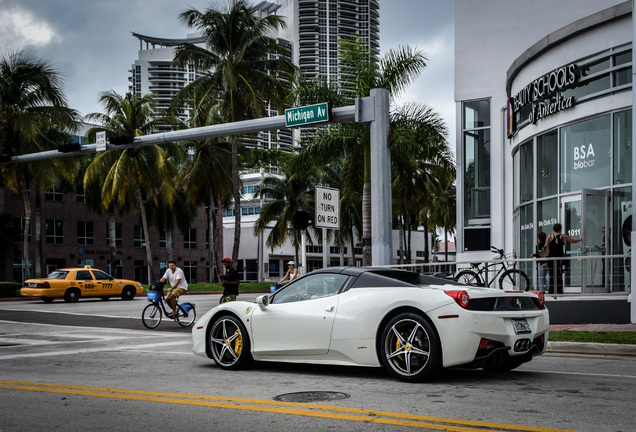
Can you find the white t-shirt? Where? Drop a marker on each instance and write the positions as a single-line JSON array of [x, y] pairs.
[[172, 277]]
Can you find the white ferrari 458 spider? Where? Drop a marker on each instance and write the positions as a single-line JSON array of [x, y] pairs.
[[411, 324]]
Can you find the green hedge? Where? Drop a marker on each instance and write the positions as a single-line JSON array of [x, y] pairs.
[[10, 289]]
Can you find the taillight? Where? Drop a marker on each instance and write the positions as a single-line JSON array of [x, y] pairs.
[[541, 297], [461, 297], [45, 284]]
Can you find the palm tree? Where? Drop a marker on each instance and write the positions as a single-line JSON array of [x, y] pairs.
[[205, 175], [285, 196], [31, 97], [244, 66], [129, 173], [394, 71], [444, 209], [421, 159]]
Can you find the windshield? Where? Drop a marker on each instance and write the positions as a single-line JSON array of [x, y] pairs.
[[57, 274], [310, 287]]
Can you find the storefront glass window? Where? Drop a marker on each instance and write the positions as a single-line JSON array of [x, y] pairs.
[[585, 155], [477, 177], [476, 114], [621, 239], [547, 215], [526, 171], [623, 147], [527, 238], [547, 164]]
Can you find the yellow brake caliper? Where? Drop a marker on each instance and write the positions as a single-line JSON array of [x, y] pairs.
[[238, 343]]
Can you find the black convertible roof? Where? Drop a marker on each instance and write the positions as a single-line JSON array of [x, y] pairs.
[[383, 277]]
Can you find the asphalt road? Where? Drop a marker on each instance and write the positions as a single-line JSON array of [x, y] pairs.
[[92, 366]]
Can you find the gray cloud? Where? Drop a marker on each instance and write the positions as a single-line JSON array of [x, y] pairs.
[[92, 47]]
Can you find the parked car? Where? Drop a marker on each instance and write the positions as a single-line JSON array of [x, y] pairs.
[[411, 324], [73, 283]]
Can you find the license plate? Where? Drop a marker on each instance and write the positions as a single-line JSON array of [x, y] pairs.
[[521, 326]]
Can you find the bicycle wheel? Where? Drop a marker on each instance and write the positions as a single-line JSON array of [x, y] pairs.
[[468, 277], [151, 316], [514, 280], [186, 319]]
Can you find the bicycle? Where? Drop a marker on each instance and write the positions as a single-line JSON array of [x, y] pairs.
[[510, 279], [152, 313]]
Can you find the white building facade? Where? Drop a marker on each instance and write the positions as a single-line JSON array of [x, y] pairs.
[[544, 119]]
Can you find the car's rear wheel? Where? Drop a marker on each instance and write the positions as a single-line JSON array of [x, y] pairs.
[[410, 348], [72, 295], [229, 343], [151, 316], [128, 293], [47, 299]]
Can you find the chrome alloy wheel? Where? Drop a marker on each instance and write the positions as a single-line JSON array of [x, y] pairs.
[[229, 343], [410, 348]]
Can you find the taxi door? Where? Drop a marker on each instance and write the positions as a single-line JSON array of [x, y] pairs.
[[85, 282]]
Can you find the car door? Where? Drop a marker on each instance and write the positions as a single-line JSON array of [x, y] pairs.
[[85, 282], [299, 319], [104, 284]]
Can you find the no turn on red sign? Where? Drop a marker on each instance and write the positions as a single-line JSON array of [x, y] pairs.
[[327, 208]]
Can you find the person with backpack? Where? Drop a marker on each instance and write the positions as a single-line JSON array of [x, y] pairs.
[[542, 264], [556, 242]]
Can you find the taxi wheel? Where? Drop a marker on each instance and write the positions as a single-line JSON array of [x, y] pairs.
[[128, 293], [72, 295]]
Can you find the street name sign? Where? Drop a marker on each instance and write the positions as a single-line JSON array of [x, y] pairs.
[[310, 114], [327, 208]]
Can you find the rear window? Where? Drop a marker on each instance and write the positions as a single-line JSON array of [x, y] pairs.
[[57, 274]]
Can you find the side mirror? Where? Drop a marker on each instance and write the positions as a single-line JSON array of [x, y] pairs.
[[262, 301]]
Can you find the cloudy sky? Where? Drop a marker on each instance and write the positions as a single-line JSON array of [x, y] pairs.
[[90, 43]]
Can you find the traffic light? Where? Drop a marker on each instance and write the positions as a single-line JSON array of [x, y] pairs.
[[122, 139], [302, 219], [69, 147]]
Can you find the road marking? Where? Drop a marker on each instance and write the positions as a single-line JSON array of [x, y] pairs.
[[289, 408], [93, 350]]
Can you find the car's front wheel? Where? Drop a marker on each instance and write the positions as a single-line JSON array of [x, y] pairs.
[[72, 295], [410, 348], [229, 343], [128, 293]]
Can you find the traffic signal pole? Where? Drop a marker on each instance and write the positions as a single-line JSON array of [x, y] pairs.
[[373, 109]]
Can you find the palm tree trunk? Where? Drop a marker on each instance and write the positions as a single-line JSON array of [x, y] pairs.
[[219, 246], [144, 223], [237, 200], [169, 243], [26, 211], [38, 233], [211, 239], [401, 240], [112, 235]]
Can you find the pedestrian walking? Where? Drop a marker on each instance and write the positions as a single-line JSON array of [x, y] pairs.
[[556, 242], [230, 281]]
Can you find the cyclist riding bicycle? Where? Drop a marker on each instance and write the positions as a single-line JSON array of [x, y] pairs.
[[178, 285]]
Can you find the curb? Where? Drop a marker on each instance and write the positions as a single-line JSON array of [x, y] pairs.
[[591, 348]]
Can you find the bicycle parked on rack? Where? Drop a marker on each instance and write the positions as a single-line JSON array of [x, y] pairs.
[[152, 314], [510, 278]]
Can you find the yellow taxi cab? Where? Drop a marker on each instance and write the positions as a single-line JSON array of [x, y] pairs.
[[73, 283]]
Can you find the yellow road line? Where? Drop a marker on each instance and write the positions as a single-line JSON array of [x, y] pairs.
[[290, 408]]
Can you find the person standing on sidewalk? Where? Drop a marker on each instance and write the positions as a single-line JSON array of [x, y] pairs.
[[542, 264], [556, 242], [230, 281]]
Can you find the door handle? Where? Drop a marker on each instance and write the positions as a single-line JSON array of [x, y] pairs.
[[329, 309]]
